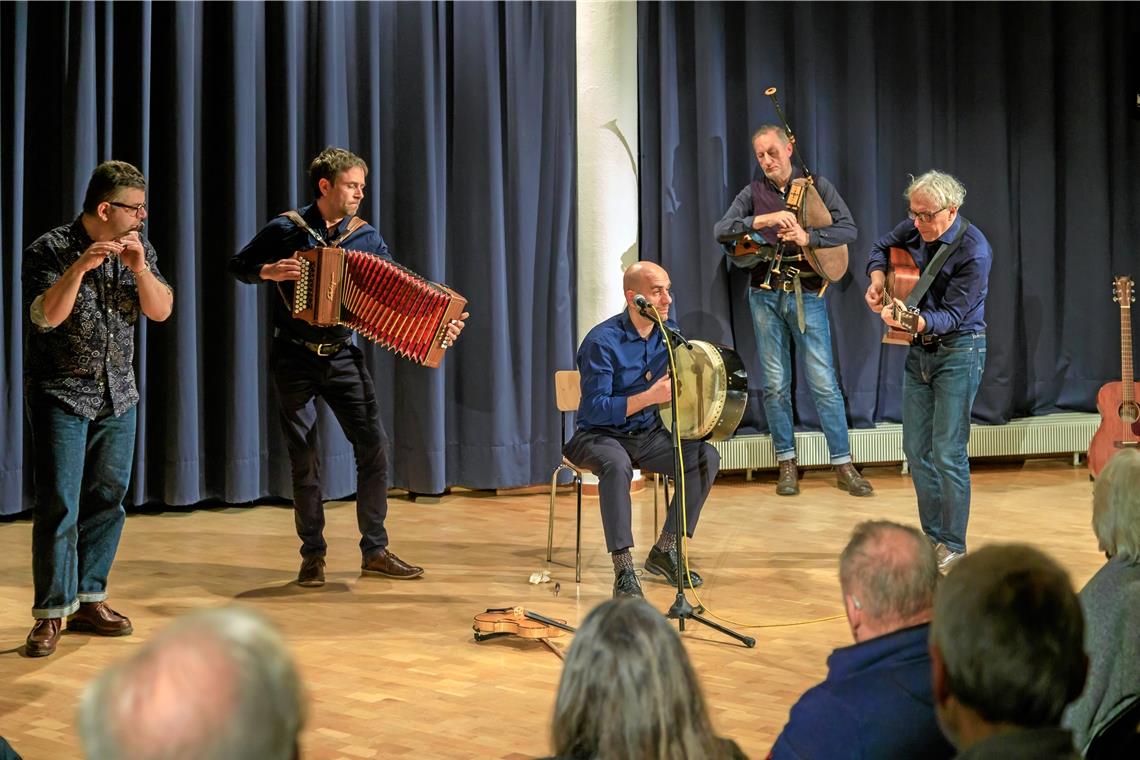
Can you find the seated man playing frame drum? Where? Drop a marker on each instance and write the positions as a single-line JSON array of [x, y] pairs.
[[623, 364]]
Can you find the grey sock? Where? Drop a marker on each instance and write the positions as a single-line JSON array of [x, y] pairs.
[[623, 560], [667, 541]]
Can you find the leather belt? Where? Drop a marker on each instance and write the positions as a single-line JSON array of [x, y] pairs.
[[320, 349]]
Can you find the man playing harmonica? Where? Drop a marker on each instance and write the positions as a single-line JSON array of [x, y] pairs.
[[309, 361], [85, 285]]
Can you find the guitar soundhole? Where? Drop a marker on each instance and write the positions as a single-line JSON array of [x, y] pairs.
[[1130, 411]]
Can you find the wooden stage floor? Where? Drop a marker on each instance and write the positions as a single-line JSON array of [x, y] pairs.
[[391, 667]]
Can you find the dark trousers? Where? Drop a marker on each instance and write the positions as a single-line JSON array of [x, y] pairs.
[[345, 385], [612, 457]]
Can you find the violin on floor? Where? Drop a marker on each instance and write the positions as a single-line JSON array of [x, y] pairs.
[[516, 621], [1116, 401]]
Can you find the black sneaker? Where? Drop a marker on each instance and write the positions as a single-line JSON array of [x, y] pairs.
[[626, 584], [312, 571], [665, 563]]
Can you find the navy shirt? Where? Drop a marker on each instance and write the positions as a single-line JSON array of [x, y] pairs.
[[956, 301], [280, 239], [614, 363], [876, 702]]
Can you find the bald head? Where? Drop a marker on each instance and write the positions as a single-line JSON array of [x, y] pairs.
[[647, 279], [892, 572], [641, 273], [217, 684]]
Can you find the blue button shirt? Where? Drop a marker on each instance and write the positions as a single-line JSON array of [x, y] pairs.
[[615, 362], [956, 301]]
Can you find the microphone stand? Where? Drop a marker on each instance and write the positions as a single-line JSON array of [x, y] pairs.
[[682, 610]]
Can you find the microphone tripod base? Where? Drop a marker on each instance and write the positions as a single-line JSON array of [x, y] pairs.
[[682, 611]]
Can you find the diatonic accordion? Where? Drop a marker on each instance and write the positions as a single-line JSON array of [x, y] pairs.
[[383, 301]]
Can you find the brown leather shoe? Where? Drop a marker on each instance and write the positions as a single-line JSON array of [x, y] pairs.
[[312, 571], [389, 565], [848, 479], [788, 483], [44, 637], [98, 618]]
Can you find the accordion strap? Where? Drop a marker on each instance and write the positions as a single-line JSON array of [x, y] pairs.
[[354, 224]]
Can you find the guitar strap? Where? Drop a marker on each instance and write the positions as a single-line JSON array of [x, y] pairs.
[[934, 266]]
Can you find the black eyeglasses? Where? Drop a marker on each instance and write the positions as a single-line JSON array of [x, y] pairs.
[[925, 216], [138, 208]]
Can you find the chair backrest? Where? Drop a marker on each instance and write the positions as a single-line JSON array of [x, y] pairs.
[[567, 390]]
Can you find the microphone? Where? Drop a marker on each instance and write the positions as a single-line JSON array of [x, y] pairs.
[[643, 305]]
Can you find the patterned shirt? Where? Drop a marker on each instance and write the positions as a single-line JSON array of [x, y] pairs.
[[87, 359]]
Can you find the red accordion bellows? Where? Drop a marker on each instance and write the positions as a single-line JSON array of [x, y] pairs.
[[383, 301]]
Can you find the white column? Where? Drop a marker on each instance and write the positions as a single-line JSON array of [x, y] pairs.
[[607, 156]]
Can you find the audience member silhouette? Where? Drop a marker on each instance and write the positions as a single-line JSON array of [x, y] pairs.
[[628, 691], [1006, 646], [217, 684]]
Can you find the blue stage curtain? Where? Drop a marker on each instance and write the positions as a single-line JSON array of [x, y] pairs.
[[1031, 105], [465, 115]]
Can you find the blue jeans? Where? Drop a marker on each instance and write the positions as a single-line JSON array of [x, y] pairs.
[[938, 392], [775, 322], [82, 470]]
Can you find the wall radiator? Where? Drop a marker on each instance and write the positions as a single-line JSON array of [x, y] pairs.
[[1064, 433]]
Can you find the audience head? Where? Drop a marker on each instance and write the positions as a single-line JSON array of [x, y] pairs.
[[888, 573], [1116, 506], [628, 690], [1006, 643], [217, 684]]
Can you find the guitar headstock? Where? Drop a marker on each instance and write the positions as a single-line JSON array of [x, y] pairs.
[[1122, 292]]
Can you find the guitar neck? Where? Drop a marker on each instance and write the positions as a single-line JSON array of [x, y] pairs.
[[1126, 350]]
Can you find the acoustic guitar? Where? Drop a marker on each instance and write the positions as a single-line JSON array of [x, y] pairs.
[[1116, 401], [902, 276]]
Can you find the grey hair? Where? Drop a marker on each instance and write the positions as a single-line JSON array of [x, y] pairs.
[[1116, 506], [764, 129], [628, 690], [218, 683], [943, 189], [1011, 634], [894, 579]]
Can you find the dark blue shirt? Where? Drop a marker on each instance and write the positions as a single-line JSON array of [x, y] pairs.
[[614, 363], [956, 301], [280, 239], [875, 703]]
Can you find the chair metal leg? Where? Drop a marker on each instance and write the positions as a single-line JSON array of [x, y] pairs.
[[666, 484], [550, 520], [578, 538]]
